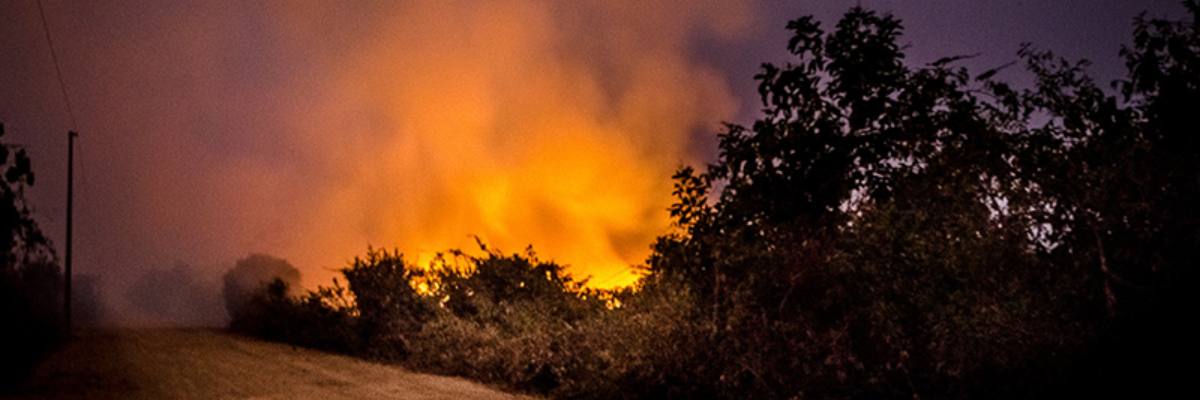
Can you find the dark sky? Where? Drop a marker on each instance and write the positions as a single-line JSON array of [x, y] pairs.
[[309, 130]]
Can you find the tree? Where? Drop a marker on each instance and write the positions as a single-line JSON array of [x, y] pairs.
[[899, 231], [22, 240], [30, 298], [1123, 198], [249, 275]]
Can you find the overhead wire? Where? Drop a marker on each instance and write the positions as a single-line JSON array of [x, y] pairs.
[[57, 70]]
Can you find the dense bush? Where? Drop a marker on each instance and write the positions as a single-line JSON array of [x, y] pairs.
[[508, 319], [881, 230], [390, 308], [892, 231], [512, 319], [248, 276]]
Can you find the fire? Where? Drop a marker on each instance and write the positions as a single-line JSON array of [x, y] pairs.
[[523, 123]]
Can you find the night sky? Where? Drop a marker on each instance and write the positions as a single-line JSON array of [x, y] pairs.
[[308, 131]]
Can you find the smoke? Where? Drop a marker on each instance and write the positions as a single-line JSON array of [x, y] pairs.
[[179, 295], [523, 123], [211, 130]]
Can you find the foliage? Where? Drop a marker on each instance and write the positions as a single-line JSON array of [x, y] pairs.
[[390, 308], [515, 318], [30, 297], [888, 231]]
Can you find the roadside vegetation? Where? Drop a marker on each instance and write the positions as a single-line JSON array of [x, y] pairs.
[[883, 229], [30, 288]]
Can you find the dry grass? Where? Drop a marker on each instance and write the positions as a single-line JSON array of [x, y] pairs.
[[206, 364]]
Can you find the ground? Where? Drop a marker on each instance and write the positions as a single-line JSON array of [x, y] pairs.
[[210, 364]]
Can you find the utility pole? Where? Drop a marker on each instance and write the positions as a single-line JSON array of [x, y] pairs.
[[71, 135]]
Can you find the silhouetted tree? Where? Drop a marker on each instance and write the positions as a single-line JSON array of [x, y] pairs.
[[885, 230], [249, 275], [20, 237], [390, 308], [30, 294], [1120, 182]]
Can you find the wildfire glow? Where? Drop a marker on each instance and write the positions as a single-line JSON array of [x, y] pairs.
[[315, 130], [524, 123]]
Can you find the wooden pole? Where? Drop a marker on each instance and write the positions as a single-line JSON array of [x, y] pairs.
[[71, 135]]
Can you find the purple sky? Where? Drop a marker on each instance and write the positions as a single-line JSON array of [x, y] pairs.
[[151, 194]]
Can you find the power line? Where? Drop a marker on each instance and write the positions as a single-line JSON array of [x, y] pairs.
[[58, 71], [71, 135]]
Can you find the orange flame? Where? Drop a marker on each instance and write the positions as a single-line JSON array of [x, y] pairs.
[[524, 123]]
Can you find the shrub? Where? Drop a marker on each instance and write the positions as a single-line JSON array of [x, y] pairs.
[[249, 275], [390, 309]]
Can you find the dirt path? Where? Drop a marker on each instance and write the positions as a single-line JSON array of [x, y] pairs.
[[206, 364]]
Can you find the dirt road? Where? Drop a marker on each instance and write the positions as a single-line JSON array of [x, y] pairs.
[[207, 364]]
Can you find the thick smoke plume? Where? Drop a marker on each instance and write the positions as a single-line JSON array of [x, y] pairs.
[[312, 130], [524, 123]]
